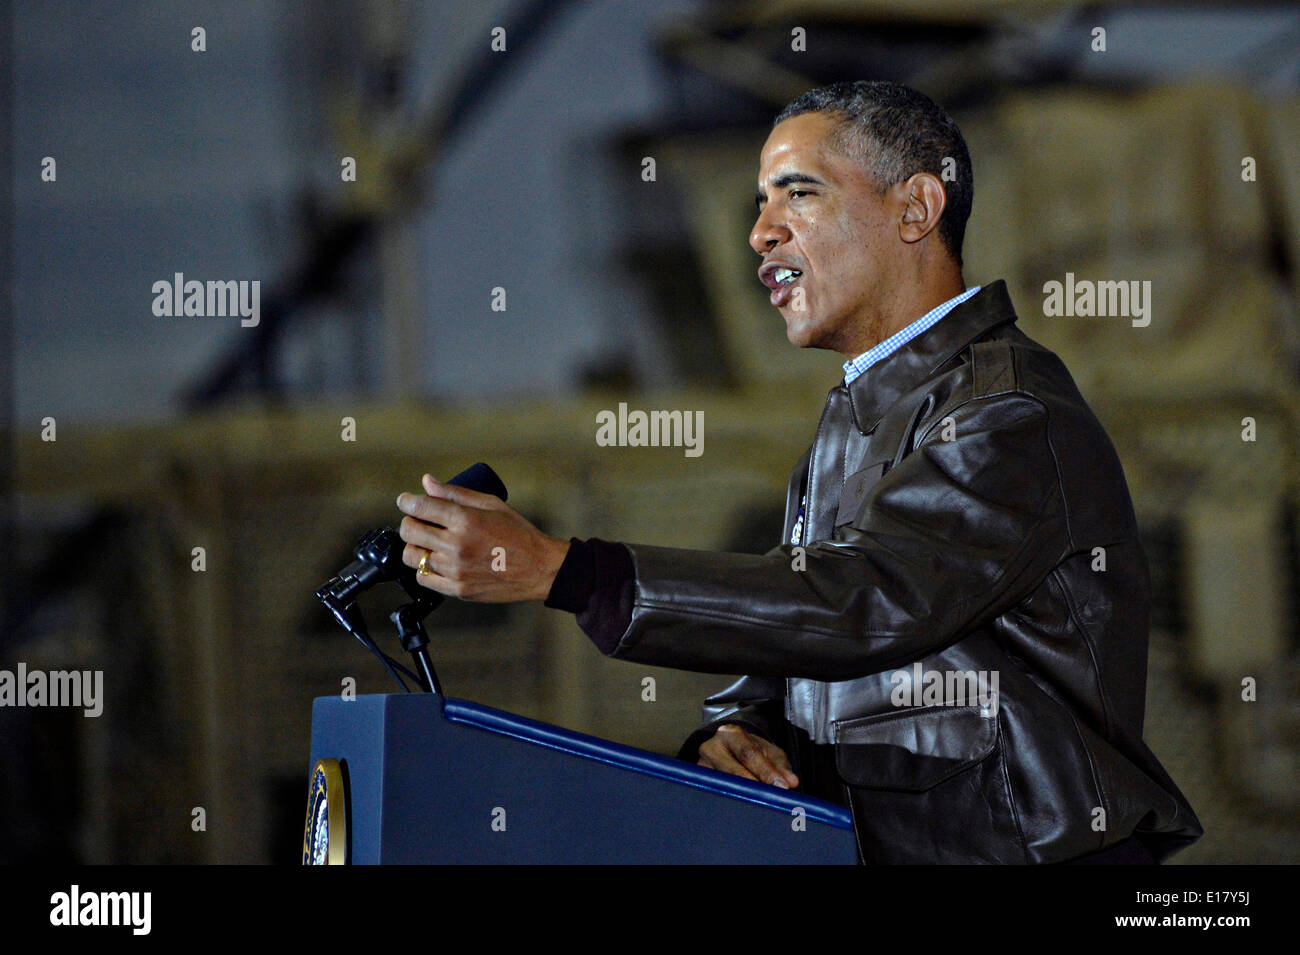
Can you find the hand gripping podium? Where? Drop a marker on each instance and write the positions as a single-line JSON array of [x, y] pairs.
[[428, 779]]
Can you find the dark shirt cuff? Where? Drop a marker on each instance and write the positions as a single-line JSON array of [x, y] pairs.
[[575, 579], [596, 582]]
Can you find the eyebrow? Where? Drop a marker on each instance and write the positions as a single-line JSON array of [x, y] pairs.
[[789, 179]]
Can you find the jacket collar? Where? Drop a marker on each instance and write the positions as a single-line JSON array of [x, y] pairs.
[[876, 390]]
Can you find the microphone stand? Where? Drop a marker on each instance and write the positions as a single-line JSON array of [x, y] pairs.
[[408, 619]]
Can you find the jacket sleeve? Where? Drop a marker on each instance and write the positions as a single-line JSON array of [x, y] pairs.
[[751, 702], [957, 532]]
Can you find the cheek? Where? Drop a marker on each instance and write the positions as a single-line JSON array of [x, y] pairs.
[[861, 254], [846, 246]]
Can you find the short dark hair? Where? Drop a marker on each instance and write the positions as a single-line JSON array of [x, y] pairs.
[[896, 132]]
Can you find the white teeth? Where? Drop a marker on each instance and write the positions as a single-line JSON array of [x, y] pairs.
[[785, 276]]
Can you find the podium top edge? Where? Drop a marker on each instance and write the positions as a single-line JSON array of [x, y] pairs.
[[489, 719]]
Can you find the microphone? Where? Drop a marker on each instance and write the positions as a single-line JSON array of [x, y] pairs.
[[378, 554]]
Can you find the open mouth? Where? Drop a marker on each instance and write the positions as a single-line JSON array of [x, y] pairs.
[[780, 279]]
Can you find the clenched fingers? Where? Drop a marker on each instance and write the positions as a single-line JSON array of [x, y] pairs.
[[738, 752]]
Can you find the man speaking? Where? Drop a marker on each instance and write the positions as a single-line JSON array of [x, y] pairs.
[[952, 637]]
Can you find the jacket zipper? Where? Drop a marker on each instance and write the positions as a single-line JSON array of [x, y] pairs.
[[819, 689]]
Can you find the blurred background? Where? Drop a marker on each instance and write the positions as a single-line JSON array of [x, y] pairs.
[[518, 175]]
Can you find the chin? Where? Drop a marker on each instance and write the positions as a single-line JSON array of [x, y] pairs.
[[801, 336]]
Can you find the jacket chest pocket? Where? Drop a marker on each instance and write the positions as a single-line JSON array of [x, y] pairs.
[[856, 488], [887, 438]]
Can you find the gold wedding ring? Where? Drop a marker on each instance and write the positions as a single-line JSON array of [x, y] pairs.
[[424, 564]]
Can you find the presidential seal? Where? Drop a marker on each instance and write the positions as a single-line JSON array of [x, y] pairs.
[[325, 836]]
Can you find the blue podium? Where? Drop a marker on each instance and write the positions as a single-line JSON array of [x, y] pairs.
[[430, 779]]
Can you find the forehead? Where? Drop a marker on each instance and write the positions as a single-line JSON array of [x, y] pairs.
[[804, 143]]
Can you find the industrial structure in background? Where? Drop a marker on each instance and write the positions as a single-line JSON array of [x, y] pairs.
[[1080, 173]]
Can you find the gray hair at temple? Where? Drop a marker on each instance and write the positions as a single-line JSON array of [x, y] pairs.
[[896, 132]]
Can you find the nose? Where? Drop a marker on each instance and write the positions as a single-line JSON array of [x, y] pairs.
[[769, 230]]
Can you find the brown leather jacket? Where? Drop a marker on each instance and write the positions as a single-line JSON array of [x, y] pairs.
[[965, 513]]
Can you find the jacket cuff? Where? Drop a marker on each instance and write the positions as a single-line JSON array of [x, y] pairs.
[[596, 582]]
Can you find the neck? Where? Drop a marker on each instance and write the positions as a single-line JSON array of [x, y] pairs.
[[909, 302]]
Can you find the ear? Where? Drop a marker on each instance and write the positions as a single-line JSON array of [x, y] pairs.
[[923, 200]]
